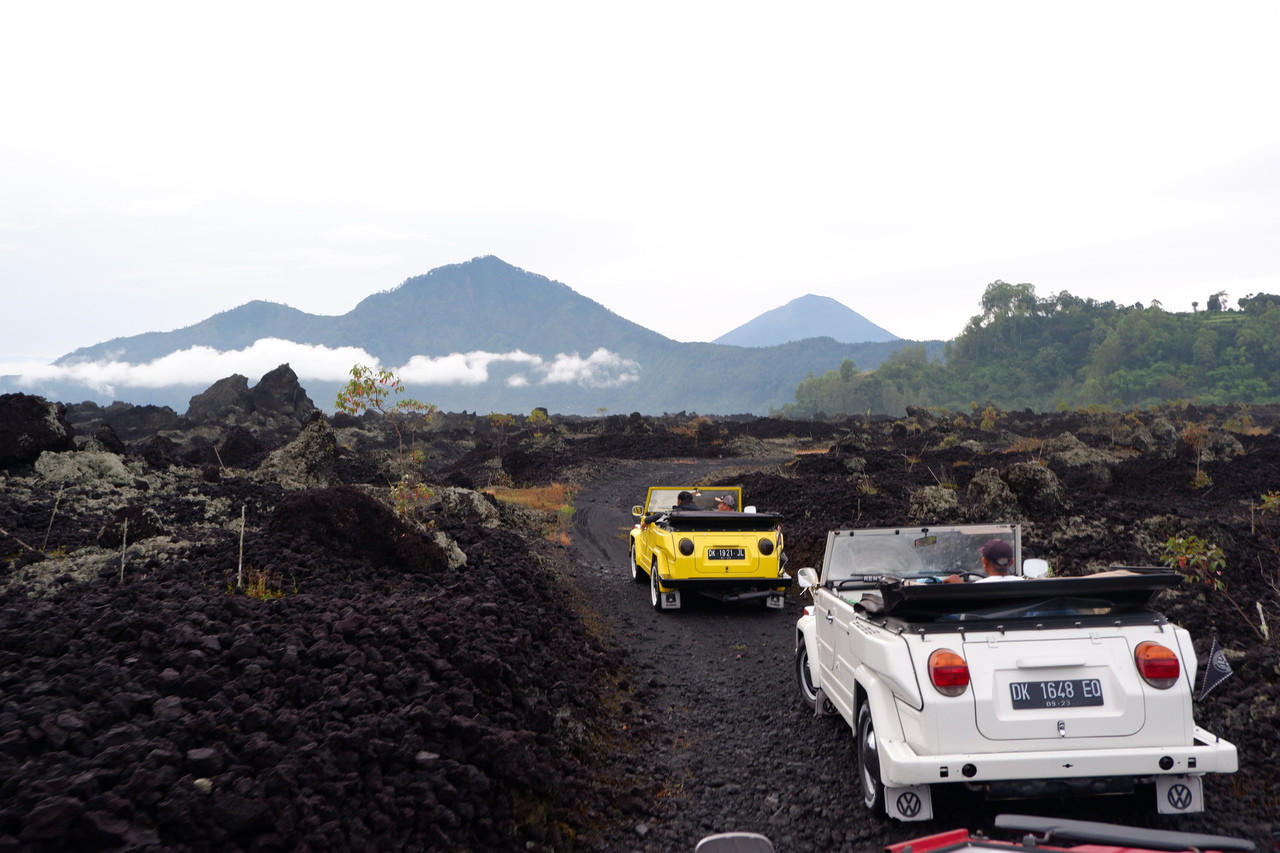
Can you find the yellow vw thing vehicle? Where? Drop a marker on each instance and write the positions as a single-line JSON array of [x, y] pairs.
[[702, 540]]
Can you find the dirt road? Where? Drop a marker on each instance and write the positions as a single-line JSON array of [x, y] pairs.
[[719, 728]]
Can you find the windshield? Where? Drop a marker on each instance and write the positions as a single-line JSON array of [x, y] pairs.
[[914, 552], [663, 498]]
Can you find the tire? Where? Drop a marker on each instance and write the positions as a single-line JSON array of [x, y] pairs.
[[655, 595], [636, 574], [808, 693], [869, 761]]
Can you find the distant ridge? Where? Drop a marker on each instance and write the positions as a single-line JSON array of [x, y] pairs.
[[482, 335], [809, 316]]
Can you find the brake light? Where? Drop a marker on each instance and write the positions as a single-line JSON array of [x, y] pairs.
[[948, 672], [766, 547], [1157, 664], [686, 547]]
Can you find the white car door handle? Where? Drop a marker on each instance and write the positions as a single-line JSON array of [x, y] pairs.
[[830, 616]]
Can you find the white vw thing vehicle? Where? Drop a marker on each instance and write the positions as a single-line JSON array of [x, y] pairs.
[[1032, 687]]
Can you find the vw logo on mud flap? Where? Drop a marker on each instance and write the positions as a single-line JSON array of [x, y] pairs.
[[1180, 797], [909, 804]]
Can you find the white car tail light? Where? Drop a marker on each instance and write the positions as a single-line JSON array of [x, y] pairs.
[[948, 672], [1157, 664]]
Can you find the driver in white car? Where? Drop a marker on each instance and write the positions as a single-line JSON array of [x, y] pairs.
[[997, 560]]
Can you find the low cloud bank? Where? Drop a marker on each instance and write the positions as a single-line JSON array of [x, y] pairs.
[[205, 365]]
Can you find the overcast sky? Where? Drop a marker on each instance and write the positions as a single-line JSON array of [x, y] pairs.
[[688, 165]]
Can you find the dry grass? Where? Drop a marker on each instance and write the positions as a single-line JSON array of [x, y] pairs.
[[555, 498], [550, 497], [1245, 426], [262, 584], [1026, 445]]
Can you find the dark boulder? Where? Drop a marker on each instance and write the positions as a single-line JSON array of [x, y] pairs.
[[140, 422], [130, 524], [130, 422], [158, 451], [227, 400], [108, 440], [279, 393], [29, 426], [240, 448], [346, 522]]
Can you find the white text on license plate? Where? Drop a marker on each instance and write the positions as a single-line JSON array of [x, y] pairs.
[[1068, 693]]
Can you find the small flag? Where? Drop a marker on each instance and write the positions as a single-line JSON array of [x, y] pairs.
[[1218, 669]]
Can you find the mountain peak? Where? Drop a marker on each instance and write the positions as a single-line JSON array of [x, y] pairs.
[[808, 316]]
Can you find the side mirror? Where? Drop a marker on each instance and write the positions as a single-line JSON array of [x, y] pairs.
[[1035, 568], [637, 510], [807, 578]]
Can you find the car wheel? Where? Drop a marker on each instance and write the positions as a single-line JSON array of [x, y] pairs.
[[655, 595], [636, 574], [808, 693], [869, 762]]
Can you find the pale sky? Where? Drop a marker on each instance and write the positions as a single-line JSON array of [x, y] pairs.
[[688, 165]]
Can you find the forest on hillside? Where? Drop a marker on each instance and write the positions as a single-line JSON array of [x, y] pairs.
[[1063, 352]]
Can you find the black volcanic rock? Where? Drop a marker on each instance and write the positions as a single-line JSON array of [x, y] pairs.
[[227, 399], [279, 393], [106, 436], [127, 421], [240, 448], [377, 694], [130, 524], [31, 425], [144, 421], [231, 401]]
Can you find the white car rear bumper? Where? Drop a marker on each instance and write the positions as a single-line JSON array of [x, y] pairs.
[[900, 766]]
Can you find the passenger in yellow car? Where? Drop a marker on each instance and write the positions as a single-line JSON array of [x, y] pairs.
[[726, 503], [684, 501]]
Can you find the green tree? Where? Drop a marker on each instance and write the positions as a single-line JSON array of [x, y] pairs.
[[1063, 351], [371, 390]]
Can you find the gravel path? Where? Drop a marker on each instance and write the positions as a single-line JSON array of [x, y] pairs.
[[719, 726]]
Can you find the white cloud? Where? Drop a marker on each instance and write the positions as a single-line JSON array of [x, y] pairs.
[[205, 365], [202, 365], [472, 368], [601, 369]]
